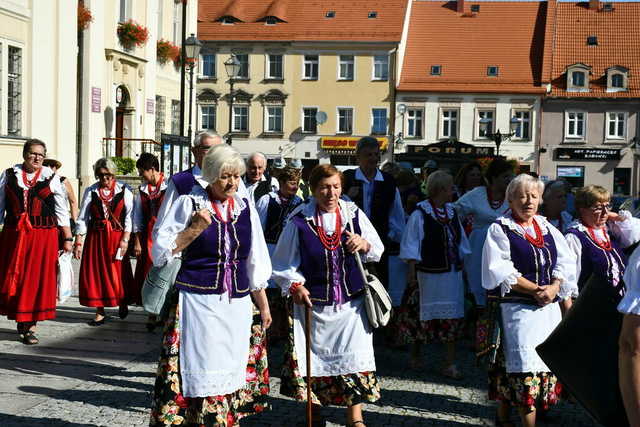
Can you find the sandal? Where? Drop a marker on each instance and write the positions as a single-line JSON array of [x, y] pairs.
[[95, 322], [355, 423], [29, 338], [452, 372]]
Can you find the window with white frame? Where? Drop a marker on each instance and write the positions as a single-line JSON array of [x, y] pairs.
[[380, 67], [177, 23], [14, 91], [240, 118], [578, 78], [208, 65], [208, 114], [310, 67], [309, 122], [273, 119], [160, 7], [616, 125], [414, 122], [345, 120], [449, 123], [125, 10], [243, 58], [523, 129], [161, 102], [617, 81], [274, 66], [175, 117], [489, 116], [575, 124], [346, 65], [379, 121]]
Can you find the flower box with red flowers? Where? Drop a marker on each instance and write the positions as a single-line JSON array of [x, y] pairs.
[[132, 34]]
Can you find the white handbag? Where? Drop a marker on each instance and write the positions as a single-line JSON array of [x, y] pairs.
[[376, 298]]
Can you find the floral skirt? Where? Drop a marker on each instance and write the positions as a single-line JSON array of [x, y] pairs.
[[411, 329], [170, 407], [341, 390], [529, 390], [278, 307]]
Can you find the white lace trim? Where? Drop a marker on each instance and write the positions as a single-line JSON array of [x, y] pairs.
[[426, 206], [514, 226], [203, 384], [441, 310], [343, 364], [509, 282], [309, 210], [524, 359]]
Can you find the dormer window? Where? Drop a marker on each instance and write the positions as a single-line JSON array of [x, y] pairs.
[[330, 14], [578, 77], [372, 14], [617, 79], [436, 70], [270, 20], [228, 20]]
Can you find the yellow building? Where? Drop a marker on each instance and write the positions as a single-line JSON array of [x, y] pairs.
[[300, 62]]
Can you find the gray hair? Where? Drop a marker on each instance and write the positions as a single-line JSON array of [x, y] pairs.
[[523, 181], [437, 181], [366, 142], [257, 154], [204, 134], [221, 158], [553, 186], [107, 164]]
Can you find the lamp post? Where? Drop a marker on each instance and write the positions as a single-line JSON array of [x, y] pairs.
[[398, 140], [232, 67], [192, 48], [498, 136]]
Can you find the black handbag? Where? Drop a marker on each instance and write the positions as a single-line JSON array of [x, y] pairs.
[[583, 352]]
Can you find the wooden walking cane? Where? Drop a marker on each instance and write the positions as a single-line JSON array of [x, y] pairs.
[[307, 332]]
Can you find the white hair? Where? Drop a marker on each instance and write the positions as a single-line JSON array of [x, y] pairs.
[[203, 135], [105, 163], [437, 181], [525, 181], [257, 154], [221, 158]]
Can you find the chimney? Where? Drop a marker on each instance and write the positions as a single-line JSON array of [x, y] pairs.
[[594, 4], [460, 6]]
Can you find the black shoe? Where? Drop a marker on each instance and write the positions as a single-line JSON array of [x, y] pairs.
[[123, 311], [29, 338], [95, 322]]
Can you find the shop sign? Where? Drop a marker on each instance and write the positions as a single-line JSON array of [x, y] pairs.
[[587, 154], [150, 106], [452, 149], [347, 143], [96, 99]]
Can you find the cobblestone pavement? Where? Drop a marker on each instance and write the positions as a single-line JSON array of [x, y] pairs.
[[84, 376]]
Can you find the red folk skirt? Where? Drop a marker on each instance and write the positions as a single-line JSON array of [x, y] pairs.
[[35, 295], [104, 281]]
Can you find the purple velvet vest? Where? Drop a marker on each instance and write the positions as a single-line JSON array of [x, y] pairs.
[[595, 260], [184, 181], [204, 261], [535, 264], [323, 269], [437, 256]]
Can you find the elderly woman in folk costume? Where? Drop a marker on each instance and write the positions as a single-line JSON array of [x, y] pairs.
[[207, 372], [528, 268], [273, 209], [145, 213], [105, 219], [554, 205], [434, 244], [598, 238], [315, 262], [32, 206]]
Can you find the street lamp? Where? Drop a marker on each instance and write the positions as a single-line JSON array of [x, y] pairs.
[[192, 48], [498, 137], [232, 67]]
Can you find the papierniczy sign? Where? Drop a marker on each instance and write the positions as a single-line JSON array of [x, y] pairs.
[[587, 154]]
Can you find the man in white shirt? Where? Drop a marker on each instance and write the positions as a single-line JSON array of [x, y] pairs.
[[255, 180]]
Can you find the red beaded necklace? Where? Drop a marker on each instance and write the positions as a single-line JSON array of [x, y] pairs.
[[332, 242], [538, 239], [229, 210], [29, 183], [495, 204], [603, 244], [441, 217], [153, 194], [107, 195]]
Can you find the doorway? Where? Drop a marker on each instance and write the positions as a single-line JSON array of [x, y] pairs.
[[122, 109]]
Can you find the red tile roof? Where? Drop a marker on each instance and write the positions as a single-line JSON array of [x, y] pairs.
[[304, 20], [506, 34], [618, 34]]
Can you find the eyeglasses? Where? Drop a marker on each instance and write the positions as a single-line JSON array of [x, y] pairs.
[[32, 154], [204, 148], [104, 175], [598, 209]]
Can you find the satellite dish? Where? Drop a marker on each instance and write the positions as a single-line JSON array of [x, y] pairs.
[[321, 117]]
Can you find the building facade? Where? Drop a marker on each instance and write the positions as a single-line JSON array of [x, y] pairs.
[[590, 115], [300, 62]]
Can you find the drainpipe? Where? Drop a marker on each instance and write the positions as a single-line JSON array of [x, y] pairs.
[[79, 97], [392, 113]]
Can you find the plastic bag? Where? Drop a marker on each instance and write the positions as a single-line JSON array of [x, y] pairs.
[[65, 277]]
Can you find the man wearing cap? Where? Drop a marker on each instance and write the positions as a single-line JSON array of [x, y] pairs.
[[257, 183], [376, 193]]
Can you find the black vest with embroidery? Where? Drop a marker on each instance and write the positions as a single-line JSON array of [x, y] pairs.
[[435, 251], [117, 215], [41, 204], [276, 215]]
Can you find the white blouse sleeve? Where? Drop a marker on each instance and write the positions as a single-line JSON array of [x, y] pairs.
[[575, 246], [464, 205], [411, 245], [464, 250], [565, 269], [368, 233], [262, 206], [396, 219], [258, 262], [85, 214], [175, 220], [630, 303], [497, 267], [286, 258], [170, 196], [60, 197], [137, 214], [128, 208], [627, 231]]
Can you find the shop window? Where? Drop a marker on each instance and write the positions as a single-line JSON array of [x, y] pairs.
[[622, 181], [574, 175]]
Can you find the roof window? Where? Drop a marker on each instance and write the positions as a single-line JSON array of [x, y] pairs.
[[617, 79], [607, 7], [270, 20], [330, 14], [475, 8], [578, 77], [592, 41], [228, 20], [372, 14], [436, 70], [492, 71]]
